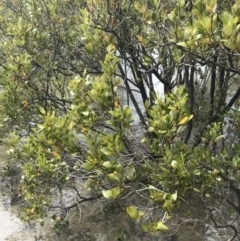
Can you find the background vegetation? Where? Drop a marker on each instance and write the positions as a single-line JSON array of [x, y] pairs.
[[63, 65]]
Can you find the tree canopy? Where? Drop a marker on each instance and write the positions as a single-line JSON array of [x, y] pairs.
[[63, 65]]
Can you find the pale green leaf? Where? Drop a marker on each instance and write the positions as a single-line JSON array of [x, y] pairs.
[[132, 212], [219, 138], [218, 179], [42, 110], [174, 164], [207, 195], [130, 172], [86, 113], [88, 166], [107, 151], [228, 29], [112, 193], [195, 12], [197, 172], [115, 177], [146, 227], [174, 196], [161, 226], [109, 164], [182, 44], [196, 190]]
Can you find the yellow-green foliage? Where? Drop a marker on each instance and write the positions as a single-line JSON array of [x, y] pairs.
[[62, 65]]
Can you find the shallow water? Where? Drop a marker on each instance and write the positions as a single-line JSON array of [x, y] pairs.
[[10, 224]]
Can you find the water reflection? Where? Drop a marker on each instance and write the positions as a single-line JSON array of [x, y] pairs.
[[10, 223]]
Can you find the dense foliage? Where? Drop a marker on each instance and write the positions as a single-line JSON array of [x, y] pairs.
[[65, 65]]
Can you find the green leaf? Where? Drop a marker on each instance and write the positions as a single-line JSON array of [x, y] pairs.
[[236, 161], [168, 205], [127, 112], [107, 151], [174, 164], [230, 44], [196, 190], [89, 48], [162, 132], [115, 177], [165, 184], [119, 169], [147, 104], [42, 110], [195, 12], [219, 138], [132, 212], [185, 120], [182, 3], [207, 195], [28, 195], [112, 193], [89, 166], [109, 164], [197, 172], [130, 172], [182, 44], [227, 29], [146, 227], [141, 214], [179, 90], [161, 226], [86, 113], [218, 179], [174, 196], [154, 226]]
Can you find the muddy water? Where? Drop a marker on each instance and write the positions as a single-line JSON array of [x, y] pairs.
[[10, 224], [12, 228]]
